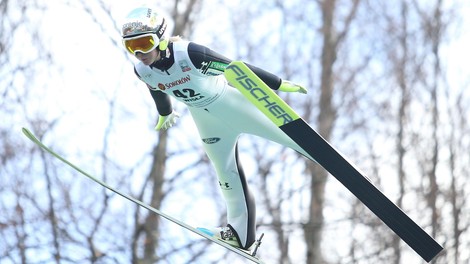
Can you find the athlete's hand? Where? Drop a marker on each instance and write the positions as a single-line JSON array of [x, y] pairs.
[[165, 122], [290, 87]]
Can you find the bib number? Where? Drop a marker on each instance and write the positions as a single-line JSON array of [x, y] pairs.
[[186, 93]]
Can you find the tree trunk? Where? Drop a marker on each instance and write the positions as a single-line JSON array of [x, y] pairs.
[[325, 122]]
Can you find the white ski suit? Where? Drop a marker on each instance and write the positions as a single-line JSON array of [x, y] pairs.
[[193, 74]]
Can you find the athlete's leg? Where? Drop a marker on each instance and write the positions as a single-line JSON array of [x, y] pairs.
[[246, 118], [220, 144]]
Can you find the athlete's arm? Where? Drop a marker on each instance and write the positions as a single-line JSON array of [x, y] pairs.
[[202, 57], [162, 102]]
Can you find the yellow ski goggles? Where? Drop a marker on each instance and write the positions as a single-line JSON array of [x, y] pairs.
[[142, 43]]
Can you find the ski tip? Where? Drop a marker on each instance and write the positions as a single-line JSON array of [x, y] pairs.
[[28, 134]]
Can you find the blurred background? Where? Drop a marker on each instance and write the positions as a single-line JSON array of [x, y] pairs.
[[388, 87]]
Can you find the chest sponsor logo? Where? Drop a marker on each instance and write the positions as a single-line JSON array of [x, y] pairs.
[[183, 80], [161, 86]]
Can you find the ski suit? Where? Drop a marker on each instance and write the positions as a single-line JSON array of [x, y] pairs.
[[193, 74]]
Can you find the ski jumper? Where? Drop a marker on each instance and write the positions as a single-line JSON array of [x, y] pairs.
[[193, 74]]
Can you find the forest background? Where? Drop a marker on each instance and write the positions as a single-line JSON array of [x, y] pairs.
[[388, 86]]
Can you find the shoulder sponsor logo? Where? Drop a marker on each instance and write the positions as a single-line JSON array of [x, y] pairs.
[[218, 65], [211, 140], [213, 68]]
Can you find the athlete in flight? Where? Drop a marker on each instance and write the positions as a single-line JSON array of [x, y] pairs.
[[193, 74]]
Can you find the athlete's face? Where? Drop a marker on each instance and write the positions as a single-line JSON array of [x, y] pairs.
[[148, 58]]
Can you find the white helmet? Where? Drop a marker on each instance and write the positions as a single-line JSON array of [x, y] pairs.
[[144, 30]]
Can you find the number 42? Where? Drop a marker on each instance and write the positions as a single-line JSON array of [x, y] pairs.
[[186, 93]]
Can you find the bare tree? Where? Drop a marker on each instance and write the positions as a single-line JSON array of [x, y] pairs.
[[416, 68], [402, 62], [433, 30], [332, 38], [376, 73]]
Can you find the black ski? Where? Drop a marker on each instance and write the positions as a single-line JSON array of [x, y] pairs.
[[241, 77]]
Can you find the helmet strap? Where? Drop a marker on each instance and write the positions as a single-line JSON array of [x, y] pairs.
[[163, 55]]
